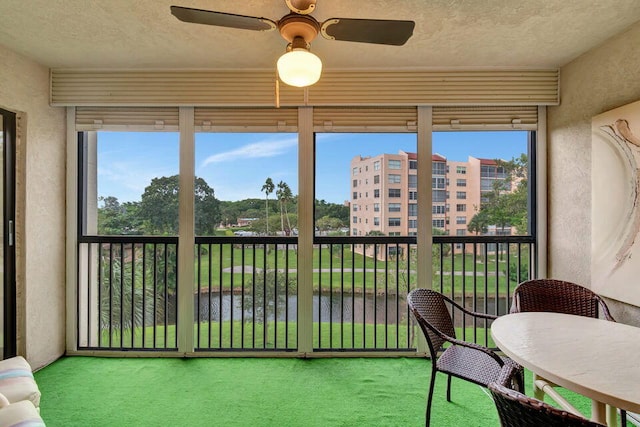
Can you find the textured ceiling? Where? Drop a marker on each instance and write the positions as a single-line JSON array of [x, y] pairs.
[[448, 33]]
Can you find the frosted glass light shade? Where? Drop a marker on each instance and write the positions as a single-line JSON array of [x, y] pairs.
[[299, 68]]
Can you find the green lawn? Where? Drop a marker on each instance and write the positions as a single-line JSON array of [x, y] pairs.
[[350, 271]]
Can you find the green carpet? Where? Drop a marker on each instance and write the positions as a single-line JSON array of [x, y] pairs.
[[90, 391]]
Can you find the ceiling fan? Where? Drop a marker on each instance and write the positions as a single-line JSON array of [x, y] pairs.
[[298, 66]]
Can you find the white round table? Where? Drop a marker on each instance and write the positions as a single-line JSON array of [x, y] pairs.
[[597, 358]]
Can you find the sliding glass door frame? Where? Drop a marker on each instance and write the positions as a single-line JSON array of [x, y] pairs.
[[8, 233]]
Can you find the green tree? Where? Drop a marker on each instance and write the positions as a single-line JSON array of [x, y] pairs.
[[269, 296], [115, 218], [327, 223], [159, 206], [506, 205], [334, 210], [479, 223], [268, 188], [207, 209], [230, 211], [284, 197], [121, 303]]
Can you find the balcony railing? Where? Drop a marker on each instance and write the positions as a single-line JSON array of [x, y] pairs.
[[127, 294], [245, 292], [359, 302], [246, 295]]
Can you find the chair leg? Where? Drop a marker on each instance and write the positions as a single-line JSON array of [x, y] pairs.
[[432, 384], [519, 382], [448, 388]]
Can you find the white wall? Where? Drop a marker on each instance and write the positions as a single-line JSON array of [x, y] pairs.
[[24, 88], [604, 78]]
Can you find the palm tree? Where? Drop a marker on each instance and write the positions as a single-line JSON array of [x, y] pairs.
[[284, 196], [280, 196], [268, 189]]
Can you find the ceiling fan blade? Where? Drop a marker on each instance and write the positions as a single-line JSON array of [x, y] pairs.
[[221, 19], [378, 31]]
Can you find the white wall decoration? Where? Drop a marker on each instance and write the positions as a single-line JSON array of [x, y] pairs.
[[615, 204]]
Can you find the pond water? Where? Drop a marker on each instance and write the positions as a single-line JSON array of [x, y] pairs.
[[326, 308]]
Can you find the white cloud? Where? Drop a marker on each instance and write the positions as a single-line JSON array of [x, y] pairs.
[[127, 180], [255, 150]]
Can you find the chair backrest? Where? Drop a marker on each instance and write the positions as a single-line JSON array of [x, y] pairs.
[[431, 313], [558, 296], [518, 410]]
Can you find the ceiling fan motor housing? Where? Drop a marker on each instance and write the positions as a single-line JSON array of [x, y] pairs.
[[294, 25]]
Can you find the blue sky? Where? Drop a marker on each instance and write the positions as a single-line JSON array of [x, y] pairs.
[[237, 165]]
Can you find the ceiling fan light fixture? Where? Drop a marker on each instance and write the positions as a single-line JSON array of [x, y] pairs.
[[299, 67]]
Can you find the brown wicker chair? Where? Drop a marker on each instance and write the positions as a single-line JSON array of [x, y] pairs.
[[461, 359], [517, 410], [558, 296]]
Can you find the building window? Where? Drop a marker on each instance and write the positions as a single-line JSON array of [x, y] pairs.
[[376, 193], [461, 182], [376, 220], [376, 179], [413, 209], [486, 184], [461, 220], [355, 219], [413, 223], [439, 168], [413, 195], [355, 171], [461, 208], [439, 195], [413, 164], [354, 232], [355, 182], [462, 170], [395, 164], [394, 233], [394, 207], [487, 171], [394, 192], [355, 195], [461, 232], [376, 207], [437, 182], [376, 165], [438, 223], [394, 178], [438, 209], [413, 181], [461, 195], [394, 222], [355, 207]]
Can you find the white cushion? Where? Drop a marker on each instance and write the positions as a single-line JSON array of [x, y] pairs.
[[17, 382], [20, 414]]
